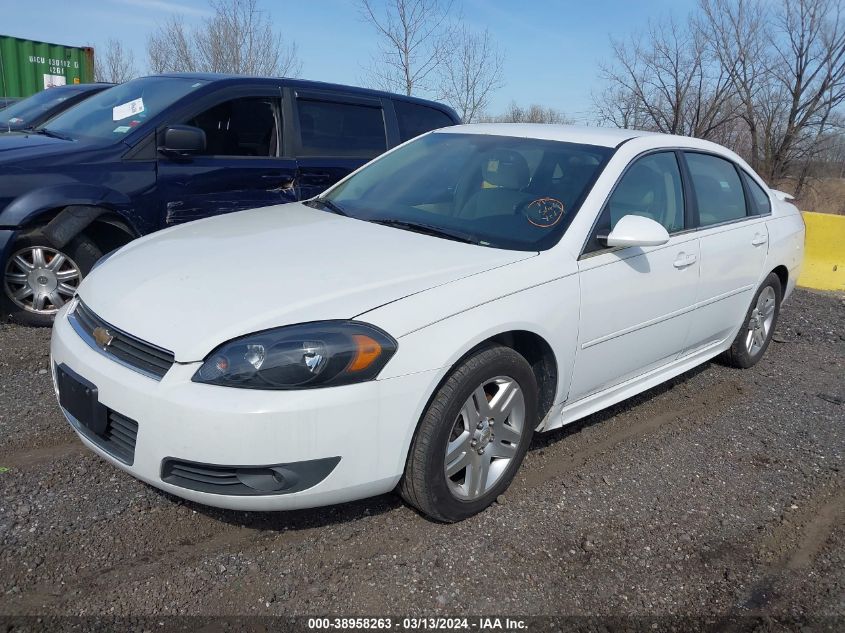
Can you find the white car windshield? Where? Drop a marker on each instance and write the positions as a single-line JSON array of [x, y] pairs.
[[498, 191]]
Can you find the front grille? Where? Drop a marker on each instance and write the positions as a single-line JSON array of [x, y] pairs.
[[124, 348]]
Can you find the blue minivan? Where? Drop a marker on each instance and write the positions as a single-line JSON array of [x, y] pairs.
[[163, 150]]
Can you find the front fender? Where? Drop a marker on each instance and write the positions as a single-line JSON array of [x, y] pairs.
[[7, 238], [27, 208]]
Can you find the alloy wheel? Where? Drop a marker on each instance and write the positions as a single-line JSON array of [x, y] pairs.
[[41, 279], [485, 437], [760, 323]]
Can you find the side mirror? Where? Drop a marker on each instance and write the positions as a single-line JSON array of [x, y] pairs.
[[635, 230], [180, 140]]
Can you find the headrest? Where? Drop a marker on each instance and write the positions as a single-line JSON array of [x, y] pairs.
[[506, 168]]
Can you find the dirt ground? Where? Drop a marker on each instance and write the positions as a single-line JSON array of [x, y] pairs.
[[719, 495]]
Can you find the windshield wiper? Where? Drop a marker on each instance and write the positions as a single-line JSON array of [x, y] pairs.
[[319, 203], [48, 132], [428, 229]]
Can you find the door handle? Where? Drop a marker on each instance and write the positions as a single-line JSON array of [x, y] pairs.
[[683, 260], [759, 239]]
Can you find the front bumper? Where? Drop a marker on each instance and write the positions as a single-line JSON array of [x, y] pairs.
[[368, 426]]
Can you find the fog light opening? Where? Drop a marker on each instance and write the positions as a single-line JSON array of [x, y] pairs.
[[267, 479]]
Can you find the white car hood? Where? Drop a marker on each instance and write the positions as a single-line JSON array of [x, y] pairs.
[[190, 288]]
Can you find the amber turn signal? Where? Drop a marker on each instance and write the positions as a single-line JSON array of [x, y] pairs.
[[367, 350]]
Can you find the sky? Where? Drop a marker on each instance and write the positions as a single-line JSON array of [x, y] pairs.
[[552, 48]]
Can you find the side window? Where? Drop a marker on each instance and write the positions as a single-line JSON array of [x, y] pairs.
[[240, 127], [718, 190], [415, 119], [340, 129], [651, 187], [760, 204]]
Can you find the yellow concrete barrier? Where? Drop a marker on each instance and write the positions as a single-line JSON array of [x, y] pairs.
[[824, 252]]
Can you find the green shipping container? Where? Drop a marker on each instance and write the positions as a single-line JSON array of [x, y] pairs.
[[27, 66]]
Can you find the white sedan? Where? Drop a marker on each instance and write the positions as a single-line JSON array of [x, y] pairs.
[[417, 323]]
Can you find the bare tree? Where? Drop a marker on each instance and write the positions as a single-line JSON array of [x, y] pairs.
[[170, 48], [414, 39], [619, 107], [113, 63], [238, 38], [666, 81], [471, 73], [534, 113], [788, 69], [738, 35]]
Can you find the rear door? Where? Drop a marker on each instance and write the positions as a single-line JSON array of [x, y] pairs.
[[243, 166], [734, 242], [335, 134]]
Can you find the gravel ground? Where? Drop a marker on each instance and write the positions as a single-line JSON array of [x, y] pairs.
[[719, 494]]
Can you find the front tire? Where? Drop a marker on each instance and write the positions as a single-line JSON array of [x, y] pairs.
[[756, 332], [38, 278], [473, 436]]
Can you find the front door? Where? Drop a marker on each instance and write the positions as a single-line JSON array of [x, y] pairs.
[[241, 167], [637, 303]]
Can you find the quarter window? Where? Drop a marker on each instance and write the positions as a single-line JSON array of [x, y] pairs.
[[414, 119], [240, 127], [340, 129], [718, 190], [759, 199]]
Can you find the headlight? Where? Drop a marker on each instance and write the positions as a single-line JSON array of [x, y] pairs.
[[320, 354]]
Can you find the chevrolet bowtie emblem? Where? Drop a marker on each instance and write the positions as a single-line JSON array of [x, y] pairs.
[[102, 337]]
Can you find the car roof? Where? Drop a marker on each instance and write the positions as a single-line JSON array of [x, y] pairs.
[[582, 134], [306, 84]]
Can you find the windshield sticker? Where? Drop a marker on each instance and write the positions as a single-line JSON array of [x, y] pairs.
[[128, 109], [134, 123], [544, 212], [16, 119], [122, 129]]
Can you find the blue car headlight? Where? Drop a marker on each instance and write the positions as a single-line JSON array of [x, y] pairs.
[[305, 356]]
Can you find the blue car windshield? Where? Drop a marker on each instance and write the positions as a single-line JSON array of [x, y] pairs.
[[497, 191], [113, 113], [19, 115]]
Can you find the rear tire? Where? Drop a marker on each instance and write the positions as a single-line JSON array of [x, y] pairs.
[[756, 331], [473, 436], [39, 278]]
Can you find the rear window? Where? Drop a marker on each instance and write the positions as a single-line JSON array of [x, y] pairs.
[[415, 119], [340, 129]]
